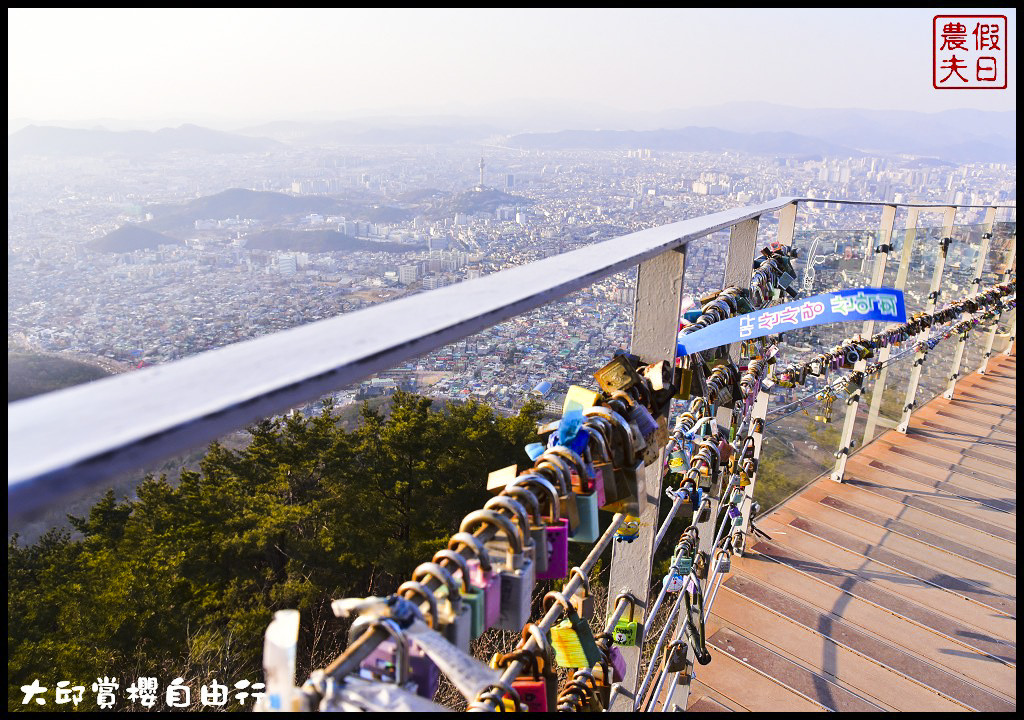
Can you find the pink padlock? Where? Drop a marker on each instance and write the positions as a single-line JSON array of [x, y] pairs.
[[557, 528]]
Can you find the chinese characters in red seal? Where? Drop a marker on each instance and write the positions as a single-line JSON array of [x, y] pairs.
[[969, 52]]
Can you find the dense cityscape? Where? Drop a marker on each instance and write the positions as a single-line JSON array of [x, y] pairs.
[[440, 214]]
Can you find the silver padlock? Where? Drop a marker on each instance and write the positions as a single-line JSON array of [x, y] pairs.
[[538, 530], [456, 618], [389, 661], [724, 562], [516, 571], [514, 511]]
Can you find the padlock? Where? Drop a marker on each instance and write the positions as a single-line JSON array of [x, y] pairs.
[[604, 460], [701, 565], [618, 374], [618, 663], [515, 570], [545, 660], [456, 617], [684, 554], [675, 657], [627, 461], [530, 685], [538, 529], [735, 515], [623, 440], [556, 471], [673, 581], [724, 562], [683, 381], [602, 674], [590, 695], [638, 413], [572, 639], [580, 481], [627, 632], [595, 475], [485, 582], [514, 511], [588, 530], [556, 529], [422, 669], [389, 661], [581, 600], [497, 695], [703, 513]]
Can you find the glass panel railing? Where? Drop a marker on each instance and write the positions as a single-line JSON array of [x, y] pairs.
[[797, 449], [890, 409]]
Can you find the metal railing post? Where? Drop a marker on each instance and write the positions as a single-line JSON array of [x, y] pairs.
[[991, 335], [759, 410], [979, 267], [787, 224], [738, 267], [877, 272], [910, 235], [933, 300], [758, 413], [659, 297]]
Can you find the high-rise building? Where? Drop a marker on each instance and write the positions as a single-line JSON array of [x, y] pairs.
[[408, 274]]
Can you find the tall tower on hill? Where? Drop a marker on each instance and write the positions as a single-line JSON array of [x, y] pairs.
[[481, 172]]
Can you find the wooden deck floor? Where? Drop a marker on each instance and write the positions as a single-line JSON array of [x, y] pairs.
[[895, 590]]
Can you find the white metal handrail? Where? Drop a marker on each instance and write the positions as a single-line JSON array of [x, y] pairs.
[[65, 443]]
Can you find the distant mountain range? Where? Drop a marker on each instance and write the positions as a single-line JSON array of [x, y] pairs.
[[691, 139], [957, 135], [130, 238], [37, 140], [315, 241], [755, 127]]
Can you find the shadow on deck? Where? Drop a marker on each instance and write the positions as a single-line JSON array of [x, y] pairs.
[[895, 590]]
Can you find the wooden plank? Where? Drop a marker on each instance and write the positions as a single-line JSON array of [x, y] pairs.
[[886, 507], [840, 600], [808, 683], [908, 556], [853, 565], [941, 541], [908, 492], [759, 693], [924, 679]]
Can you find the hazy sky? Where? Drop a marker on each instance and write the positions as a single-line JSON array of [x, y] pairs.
[[257, 65]]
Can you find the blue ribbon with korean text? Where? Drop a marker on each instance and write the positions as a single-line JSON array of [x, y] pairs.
[[841, 306]]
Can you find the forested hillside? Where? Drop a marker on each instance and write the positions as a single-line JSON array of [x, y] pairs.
[[183, 581]]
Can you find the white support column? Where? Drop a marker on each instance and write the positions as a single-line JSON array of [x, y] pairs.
[[659, 296], [979, 266], [850, 420], [910, 235], [990, 339], [919, 358], [738, 269], [787, 224]]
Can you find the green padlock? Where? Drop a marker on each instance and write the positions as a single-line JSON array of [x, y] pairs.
[[471, 596], [627, 632]]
